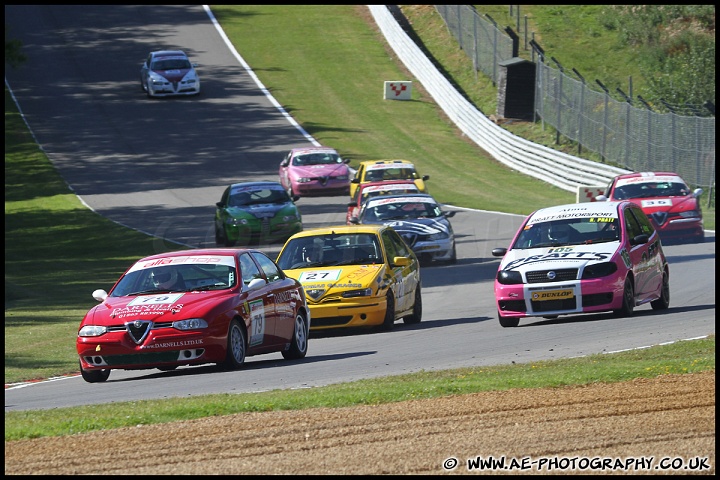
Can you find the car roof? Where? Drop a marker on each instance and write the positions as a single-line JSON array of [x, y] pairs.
[[648, 175], [341, 230], [401, 196], [575, 210], [199, 252], [640, 177], [301, 150], [168, 53], [388, 185], [259, 184], [385, 162]]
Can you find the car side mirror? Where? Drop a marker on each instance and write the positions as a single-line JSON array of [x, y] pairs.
[[100, 295], [354, 220], [449, 214], [295, 198], [255, 284], [355, 180], [601, 198], [697, 192], [401, 261], [346, 160], [220, 204], [499, 252], [426, 177], [639, 239], [284, 163]]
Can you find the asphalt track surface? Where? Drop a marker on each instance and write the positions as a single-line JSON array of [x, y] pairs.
[[159, 166]]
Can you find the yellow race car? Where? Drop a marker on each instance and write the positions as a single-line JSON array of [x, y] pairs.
[[355, 276], [387, 170]]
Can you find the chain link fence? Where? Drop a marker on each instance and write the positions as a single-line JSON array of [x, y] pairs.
[[633, 138]]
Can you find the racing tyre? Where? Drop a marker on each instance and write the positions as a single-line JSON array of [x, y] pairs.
[[224, 239], [218, 237], [416, 315], [236, 346], [453, 259], [664, 301], [389, 321], [299, 343], [94, 376], [508, 321], [628, 303]]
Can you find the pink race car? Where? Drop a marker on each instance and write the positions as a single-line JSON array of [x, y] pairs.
[[581, 258], [315, 171]]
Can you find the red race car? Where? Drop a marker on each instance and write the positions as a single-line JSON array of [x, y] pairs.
[[193, 307], [672, 207], [372, 189]]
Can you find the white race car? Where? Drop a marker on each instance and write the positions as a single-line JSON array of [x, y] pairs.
[[168, 73]]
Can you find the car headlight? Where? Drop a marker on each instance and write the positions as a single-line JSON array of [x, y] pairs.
[[509, 277], [234, 222], [365, 292], [342, 177], [155, 78], [190, 324], [438, 236], [690, 213], [92, 331], [303, 180], [599, 270], [290, 218]]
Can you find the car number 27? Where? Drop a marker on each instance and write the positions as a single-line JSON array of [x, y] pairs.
[[317, 275]]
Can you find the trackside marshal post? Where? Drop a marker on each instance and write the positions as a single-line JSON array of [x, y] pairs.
[[398, 90]]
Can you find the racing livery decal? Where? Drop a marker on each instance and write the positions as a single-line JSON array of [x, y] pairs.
[[257, 322]]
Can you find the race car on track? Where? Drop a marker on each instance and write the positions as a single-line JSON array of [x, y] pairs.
[[255, 212], [387, 170], [194, 307], [582, 258], [314, 171], [372, 189], [168, 73], [355, 276], [419, 220], [666, 199]]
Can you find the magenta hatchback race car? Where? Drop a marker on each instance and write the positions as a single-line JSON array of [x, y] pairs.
[[314, 171], [666, 199], [193, 307], [581, 258]]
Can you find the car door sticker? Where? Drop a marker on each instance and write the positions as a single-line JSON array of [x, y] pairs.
[[257, 322]]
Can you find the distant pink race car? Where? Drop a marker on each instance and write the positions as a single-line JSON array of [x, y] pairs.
[[317, 171]]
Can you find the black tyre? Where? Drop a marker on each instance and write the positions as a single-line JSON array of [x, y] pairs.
[[218, 237], [628, 304], [416, 315], [225, 240], [236, 346], [389, 321], [94, 376], [508, 321], [453, 259], [663, 302], [299, 343]]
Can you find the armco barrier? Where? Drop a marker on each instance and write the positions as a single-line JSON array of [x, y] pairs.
[[556, 168]]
